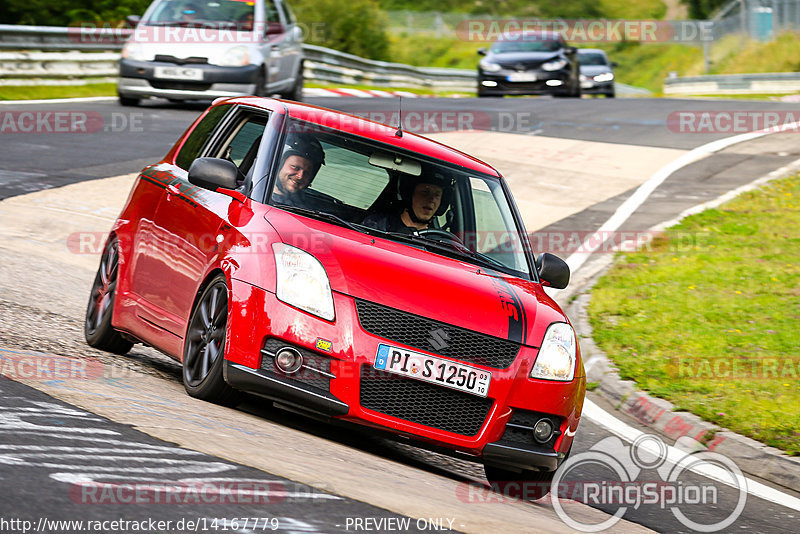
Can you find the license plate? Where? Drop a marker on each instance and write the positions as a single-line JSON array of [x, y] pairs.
[[587, 85], [434, 370], [178, 73], [522, 77]]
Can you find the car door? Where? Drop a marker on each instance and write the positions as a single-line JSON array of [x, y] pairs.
[[190, 224]]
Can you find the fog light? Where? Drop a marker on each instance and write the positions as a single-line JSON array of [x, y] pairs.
[[543, 431], [488, 83], [288, 360], [554, 83]]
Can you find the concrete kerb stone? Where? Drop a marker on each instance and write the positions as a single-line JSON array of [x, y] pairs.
[[659, 415]]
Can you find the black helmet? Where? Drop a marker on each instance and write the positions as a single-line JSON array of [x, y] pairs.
[[407, 183], [305, 146]]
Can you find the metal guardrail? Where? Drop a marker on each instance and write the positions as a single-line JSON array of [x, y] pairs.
[[55, 53], [734, 84]]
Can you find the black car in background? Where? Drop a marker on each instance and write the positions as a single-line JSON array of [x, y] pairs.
[[597, 72], [529, 63]]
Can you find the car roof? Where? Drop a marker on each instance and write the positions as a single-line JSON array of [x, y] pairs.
[[514, 35], [376, 131]]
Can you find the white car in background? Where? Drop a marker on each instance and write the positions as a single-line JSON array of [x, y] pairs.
[[206, 49], [597, 72]]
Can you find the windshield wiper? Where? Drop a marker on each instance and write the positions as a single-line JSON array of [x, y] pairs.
[[447, 249], [324, 215]]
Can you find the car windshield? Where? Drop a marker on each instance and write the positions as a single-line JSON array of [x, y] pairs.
[[200, 12], [401, 196], [592, 58], [526, 44]]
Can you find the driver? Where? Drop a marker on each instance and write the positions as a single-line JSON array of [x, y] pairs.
[[301, 160], [422, 199]]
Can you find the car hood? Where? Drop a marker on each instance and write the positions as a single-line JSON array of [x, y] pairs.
[[423, 283], [512, 57], [594, 70]]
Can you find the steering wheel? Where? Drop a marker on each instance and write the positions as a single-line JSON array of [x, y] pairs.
[[435, 233]]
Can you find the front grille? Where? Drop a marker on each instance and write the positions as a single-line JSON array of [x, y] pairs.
[[519, 428], [180, 86], [423, 403], [436, 337], [181, 61], [521, 66]]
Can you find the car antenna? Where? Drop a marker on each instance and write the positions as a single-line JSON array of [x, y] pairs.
[[399, 132]]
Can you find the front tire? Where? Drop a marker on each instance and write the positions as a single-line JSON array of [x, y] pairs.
[[97, 327], [128, 101], [204, 348]]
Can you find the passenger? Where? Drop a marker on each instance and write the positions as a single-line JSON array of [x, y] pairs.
[[422, 199], [189, 13], [301, 160]]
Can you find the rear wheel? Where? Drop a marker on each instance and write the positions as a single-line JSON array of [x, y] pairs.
[[296, 92], [204, 347], [261, 83], [97, 327]]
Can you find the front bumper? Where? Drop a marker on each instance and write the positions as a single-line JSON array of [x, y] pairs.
[[498, 83], [348, 382], [137, 80], [591, 87]]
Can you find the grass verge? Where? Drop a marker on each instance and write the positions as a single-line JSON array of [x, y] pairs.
[[36, 92], [706, 316]]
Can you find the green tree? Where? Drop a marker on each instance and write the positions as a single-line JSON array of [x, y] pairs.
[[357, 26]]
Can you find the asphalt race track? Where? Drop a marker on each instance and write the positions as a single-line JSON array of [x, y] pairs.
[[81, 450]]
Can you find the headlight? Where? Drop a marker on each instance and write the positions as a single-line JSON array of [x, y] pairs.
[[134, 51], [236, 57], [605, 77], [554, 65], [488, 66], [556, 359], [302, 281]]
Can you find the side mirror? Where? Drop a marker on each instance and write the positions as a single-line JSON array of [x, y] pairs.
[[570, 50], [133, 20], [481, 51], [552, 270], [614, 64], [213, 173]]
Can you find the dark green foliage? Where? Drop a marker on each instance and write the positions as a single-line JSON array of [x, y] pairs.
[[64, 12], [357, 27]]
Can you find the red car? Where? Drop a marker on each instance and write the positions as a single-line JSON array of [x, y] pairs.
[[344, 268]]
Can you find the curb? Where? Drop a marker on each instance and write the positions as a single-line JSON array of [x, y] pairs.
[[659, 415]]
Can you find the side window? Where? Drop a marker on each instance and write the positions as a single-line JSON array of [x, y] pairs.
[[287, 18], [197, 140], [271, 12], [364, 182], [240, 143]]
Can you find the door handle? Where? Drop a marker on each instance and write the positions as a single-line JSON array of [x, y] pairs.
[[173, 189]]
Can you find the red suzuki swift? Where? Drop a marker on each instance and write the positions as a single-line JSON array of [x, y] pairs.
[[339, 267]]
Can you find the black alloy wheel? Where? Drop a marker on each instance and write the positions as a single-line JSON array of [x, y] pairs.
[[204, 348], [97, 327]]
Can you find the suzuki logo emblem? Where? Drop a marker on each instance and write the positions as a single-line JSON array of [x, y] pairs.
[[438, 339]]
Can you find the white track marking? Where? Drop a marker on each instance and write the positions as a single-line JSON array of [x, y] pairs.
[[628, 433]]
